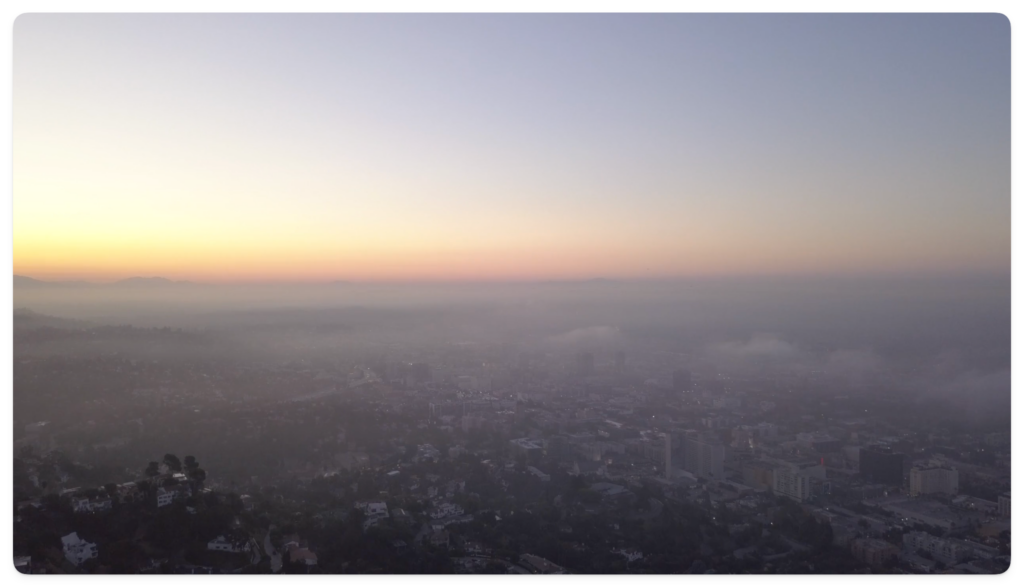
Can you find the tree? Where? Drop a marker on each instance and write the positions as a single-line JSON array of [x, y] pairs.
[[290, 567], [577, 483], [172, 462], [191, 464], [51, 501], [494, 568], [153, 469], [198, 475]]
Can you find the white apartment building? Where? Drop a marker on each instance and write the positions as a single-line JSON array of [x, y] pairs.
[[166, 495], [931, 480], [1004, 505], [374, 510], [799, 481], [77, 551]]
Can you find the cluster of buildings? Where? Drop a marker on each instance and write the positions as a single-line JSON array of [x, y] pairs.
[[622, 423], [77, 551]]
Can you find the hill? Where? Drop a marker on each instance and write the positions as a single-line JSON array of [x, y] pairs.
[[26, 319], [149, 282]]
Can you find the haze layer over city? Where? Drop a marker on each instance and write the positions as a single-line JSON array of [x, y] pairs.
[[514, 293]]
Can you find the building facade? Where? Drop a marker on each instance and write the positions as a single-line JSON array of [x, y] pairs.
[[876, 553], [881, 465], [76, 550], [1004, 505], [682, 381], [799, 481], [931, 480], [704, 456]]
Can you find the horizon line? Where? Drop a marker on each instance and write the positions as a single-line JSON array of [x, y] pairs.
[[666, 279]]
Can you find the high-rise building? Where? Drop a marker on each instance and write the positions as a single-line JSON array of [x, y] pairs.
[[705, 456], [799, 481], [758, 475], [881, 465], [1004, 505], [712, 460], [420, 373], [668, 456], [585, 364], [682, 380], [930, 480]]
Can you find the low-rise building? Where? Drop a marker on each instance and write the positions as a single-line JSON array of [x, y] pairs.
[[528, 447], [947, 550], [373, 509], [610, 490], [223, 544], [876, 553], [86, 505], [1004, 505], [23, 564], [538, 473], [166, 495], [439, 539], [930, 514], [630, 554], [931, 480], [76, 550], [446, 510]]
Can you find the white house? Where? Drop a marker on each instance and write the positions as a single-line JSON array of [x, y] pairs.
[[222, 544], [446, 510], [84, 505], [247, 502], [167, 495], [631, 554], [373, 509], [77, 551], [538, 473]]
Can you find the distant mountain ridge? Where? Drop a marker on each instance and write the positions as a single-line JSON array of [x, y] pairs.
[[25, 318], [25, 281], [149, 282], [594, 281]]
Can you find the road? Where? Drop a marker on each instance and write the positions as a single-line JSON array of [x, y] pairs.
[[654, 511], [424, 531], [275, 557], [255, 556]]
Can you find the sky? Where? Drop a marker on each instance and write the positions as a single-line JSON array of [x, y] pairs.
[[241, 148]]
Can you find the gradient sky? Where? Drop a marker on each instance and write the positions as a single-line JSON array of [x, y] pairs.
[[406, 147]]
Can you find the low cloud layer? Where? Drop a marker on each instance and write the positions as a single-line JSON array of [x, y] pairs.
[[852, 362], [760, 346], [977, 387], [768, 350], [586, 337]]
